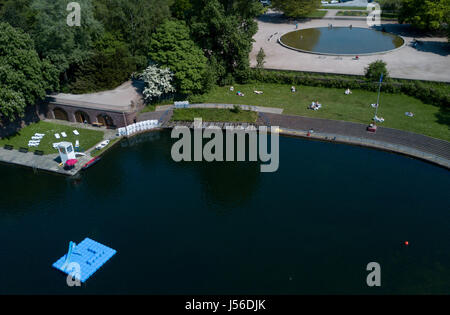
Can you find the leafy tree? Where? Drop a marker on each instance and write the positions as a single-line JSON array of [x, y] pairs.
[[134, 20], [180, 8], [24, 78], [390, 5], [18, 13], [12, 104], [110, 66], [158, 82], [296, 8], [375, 69], [260, 59], [171, 46], [55, 40], [426, 15], [225, 30]]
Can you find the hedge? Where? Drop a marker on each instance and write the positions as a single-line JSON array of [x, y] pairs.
[[434, 93]]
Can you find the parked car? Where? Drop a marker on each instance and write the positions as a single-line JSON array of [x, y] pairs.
[[334, 1], [324, 2], [265, 2]]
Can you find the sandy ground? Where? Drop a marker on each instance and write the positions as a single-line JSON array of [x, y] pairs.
[[429, 61]]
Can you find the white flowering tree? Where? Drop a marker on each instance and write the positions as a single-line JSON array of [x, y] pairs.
[[158, 81]]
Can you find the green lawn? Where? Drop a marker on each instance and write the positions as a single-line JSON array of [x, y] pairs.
[[211, 115], [352, 13], [88, 138], [384, 15], [342, 7], [315, 14], [338, 106]]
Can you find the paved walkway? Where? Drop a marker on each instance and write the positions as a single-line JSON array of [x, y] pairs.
[[425, 62], [434, 150]]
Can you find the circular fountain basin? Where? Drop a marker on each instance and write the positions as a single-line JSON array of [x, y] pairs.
[[341, 41]]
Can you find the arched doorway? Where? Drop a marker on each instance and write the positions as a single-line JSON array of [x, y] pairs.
[[60, 114], [82, 117], [105, 120]]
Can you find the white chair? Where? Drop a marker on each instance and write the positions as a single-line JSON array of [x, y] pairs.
[[57, 136], [76, 133], [36, 138], [40, 135], [64, 134]]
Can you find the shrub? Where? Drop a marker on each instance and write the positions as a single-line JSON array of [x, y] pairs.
[[375, 70], [236, 109], [260, 59]]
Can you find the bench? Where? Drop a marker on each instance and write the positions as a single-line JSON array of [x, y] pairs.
[[8, 147], [23, 150], [38, 152]]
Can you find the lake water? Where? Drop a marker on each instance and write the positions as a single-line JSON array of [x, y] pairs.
[[225, 228], [342, 40]]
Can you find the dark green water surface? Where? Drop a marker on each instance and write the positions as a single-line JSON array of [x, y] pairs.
[[342, 40], [225, 228]]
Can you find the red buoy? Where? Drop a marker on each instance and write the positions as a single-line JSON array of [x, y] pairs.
[[406, 243]]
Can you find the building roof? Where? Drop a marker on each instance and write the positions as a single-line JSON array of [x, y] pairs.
[[122, 99]]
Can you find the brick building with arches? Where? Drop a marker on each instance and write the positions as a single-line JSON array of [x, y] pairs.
[[112, 109]]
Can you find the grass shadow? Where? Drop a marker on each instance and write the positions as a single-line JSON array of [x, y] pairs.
[[443, 116]]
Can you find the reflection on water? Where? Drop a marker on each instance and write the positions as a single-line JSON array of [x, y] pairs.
[[342, 40], [226, 228], [227, 185], [306, 39]]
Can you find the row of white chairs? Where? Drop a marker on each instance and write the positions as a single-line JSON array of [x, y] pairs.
[[36, 140], [138, 127]]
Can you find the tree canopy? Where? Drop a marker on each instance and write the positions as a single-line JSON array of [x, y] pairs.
[[426, 15], [225, 30], [171, 46], [296, 8], [203, 42], [24, 78], [110, 65], [133, 20], [55, 40]]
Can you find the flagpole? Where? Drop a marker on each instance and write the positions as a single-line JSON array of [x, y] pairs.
[[378, 98]]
